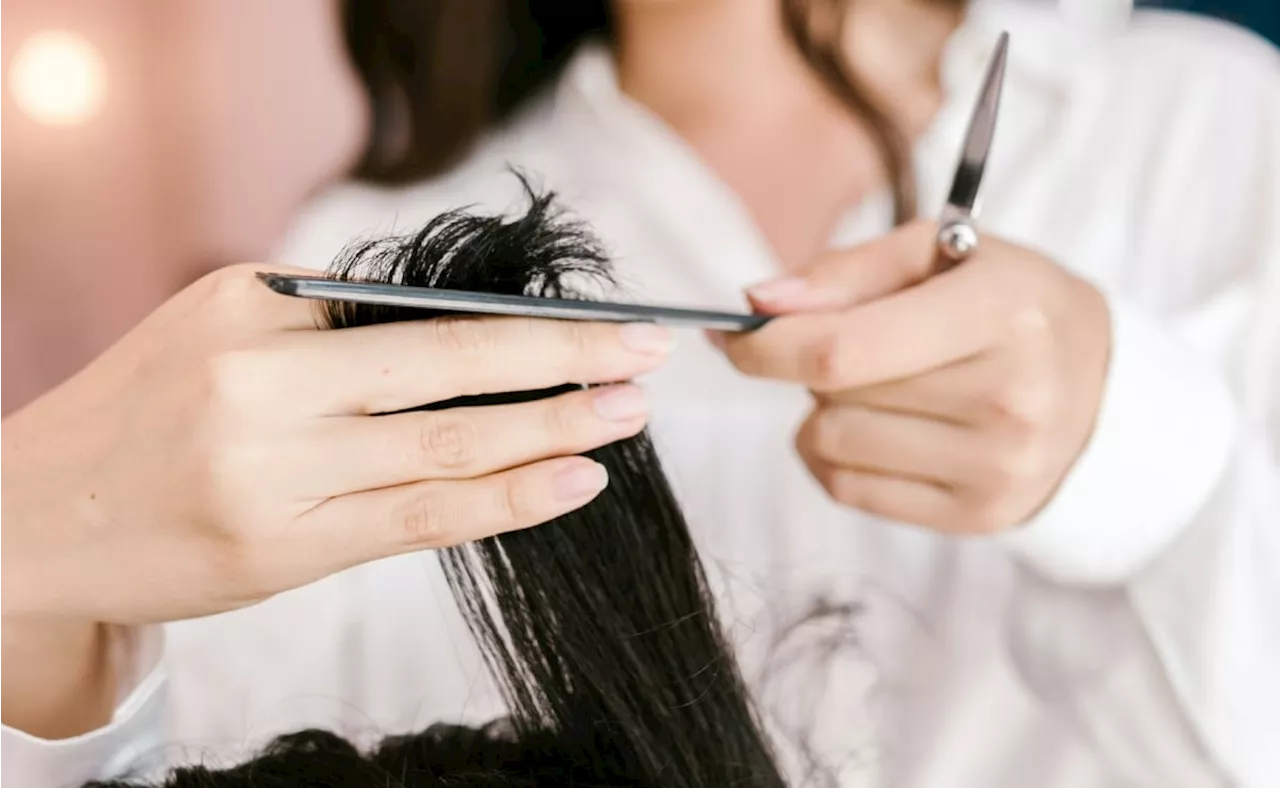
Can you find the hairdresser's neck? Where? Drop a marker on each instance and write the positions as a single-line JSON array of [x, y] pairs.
[[726, 77], [688, 61]]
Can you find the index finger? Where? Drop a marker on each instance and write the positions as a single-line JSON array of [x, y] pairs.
[[389, 367], [942, 320]]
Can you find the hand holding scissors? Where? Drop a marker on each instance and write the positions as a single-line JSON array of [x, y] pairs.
[[954, 396]]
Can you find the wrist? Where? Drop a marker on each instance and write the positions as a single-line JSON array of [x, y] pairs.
[[22, 595], [59, 678], [1163, 438], [45, 530], [20, 589]]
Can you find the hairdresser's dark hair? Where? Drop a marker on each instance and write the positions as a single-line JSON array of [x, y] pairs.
[[598, 626], [439, 73]]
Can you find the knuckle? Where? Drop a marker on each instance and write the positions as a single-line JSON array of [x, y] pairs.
[[424, 523], [1029, 323], [805, 443], [232, 282], [509, 505], [462, 335], [448, 441], [847, 489], [234, 378], [562, 420], [1020, 405], [832, 429], [225, 466], [228, 485], [580, 338], [232, 293], [829, 364]]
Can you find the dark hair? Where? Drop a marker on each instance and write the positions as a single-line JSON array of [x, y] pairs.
[[598, 626], [439, 73]]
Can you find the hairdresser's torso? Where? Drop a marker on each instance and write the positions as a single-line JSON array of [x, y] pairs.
[[951, 682]]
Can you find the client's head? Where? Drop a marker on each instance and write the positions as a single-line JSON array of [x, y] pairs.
[[598, 626]]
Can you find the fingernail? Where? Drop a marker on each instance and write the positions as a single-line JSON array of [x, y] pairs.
[[716, 338], [783, 289], [580, 481], [647, 338], [620, 403]]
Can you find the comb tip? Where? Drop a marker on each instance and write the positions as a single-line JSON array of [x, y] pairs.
[[276, 282]]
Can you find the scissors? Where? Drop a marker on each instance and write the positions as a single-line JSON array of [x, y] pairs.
[[957, 239], [957, 229]]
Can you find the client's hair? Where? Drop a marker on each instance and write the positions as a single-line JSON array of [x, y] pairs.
[[598, 626]]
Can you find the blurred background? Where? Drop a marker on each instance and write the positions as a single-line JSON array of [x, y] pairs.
[[146, 142]]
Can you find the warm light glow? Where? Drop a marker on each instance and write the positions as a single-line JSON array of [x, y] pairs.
[[58, 78]]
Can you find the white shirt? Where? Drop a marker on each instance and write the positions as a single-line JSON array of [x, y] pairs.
[[1129, 635]]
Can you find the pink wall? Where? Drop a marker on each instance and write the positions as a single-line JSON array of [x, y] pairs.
[[270, 111], [220, 116]]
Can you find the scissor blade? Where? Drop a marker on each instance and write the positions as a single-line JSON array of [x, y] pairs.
[[982, 126]]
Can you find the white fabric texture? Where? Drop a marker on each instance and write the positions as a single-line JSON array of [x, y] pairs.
[[1129, 635]]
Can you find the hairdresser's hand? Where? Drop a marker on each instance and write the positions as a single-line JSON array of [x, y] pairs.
[[224, 450], [957, 402]]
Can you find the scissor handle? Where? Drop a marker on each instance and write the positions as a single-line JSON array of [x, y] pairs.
[[957, 238]]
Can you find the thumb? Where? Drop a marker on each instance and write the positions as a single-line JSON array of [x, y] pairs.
[[842, 278]]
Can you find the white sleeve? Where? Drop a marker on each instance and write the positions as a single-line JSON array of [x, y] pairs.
[[1149, 609], [127, 746]]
